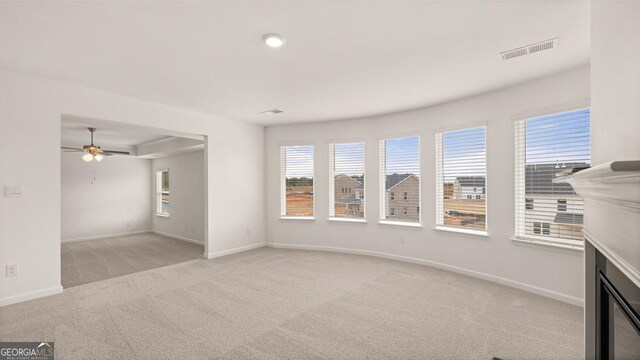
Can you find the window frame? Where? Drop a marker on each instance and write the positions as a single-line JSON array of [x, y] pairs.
[[160, 192], [331, 147], [283, 181], [519, 156], [382, 161]]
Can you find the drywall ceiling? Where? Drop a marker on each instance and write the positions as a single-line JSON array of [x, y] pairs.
[[341, 59], [140, 141], [74, 132]]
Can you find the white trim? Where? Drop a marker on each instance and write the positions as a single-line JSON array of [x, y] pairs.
[[217, 254], [400, 223], [619, 262], [347, 220], [98, 237], [549, 245], [308, 218], [30, 295], [496, 279], [439, 179], [164, 215], [457, 230], [193, 241]]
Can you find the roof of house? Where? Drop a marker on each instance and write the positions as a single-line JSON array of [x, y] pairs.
[[539, 179], [360, 183], [471, 181], [394, 179], [568, 218]]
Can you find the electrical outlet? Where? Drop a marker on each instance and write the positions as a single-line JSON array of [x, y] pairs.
[[402, 240], [128, 224], [12, 270], [248, 232]]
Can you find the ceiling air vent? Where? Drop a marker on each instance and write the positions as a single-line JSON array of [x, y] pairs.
[[272, 111], [530, 49]]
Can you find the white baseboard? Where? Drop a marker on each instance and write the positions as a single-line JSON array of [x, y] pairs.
[[30, 295], [178, 237], [515, 284], [235, 250], [105, 236]]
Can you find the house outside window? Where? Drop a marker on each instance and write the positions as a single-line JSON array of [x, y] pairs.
[[461, 170], [545, 147], [346, 172], [528, 204], [400, 173], [562, 205]]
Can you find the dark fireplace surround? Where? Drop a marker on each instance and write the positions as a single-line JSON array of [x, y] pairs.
[[611, 194]]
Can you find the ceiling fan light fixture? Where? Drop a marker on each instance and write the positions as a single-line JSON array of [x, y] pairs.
[[87, 157], [98, 157]]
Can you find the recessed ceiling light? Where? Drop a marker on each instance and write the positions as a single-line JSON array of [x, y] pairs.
[[273, 40]]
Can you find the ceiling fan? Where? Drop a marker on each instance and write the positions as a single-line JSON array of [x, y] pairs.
[[93, 152]]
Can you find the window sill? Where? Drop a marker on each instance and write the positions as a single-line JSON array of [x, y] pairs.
[[162, 215], [347, 220], [306, 218], [481, 233], [571, 248], [400, 223]]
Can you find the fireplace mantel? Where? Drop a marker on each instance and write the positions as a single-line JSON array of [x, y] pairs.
[[611, 193]]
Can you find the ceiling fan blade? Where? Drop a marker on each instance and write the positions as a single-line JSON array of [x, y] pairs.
[[111, 152], [70, 149]]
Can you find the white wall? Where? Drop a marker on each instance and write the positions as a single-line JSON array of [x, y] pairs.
[[117, 201], [615, 73], [556, 273], [30, 226], [187, 197]]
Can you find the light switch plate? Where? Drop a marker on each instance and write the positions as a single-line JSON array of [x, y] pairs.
[[13, 190]]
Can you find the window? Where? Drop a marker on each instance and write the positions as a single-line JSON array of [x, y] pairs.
[[296, 181], [461, 170], [545, 147], [392, 212], [562, 205], [400, 171], [528, 204], [162, 192], [346, 167]]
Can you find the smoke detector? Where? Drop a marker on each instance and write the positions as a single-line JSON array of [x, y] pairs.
[[530, 49], [272, 111]]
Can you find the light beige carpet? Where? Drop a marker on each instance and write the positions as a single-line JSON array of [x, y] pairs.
[[94, 260], [287, 304]]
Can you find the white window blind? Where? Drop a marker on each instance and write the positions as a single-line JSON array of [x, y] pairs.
[[162, 192], [461, 172], [546, 146], [346, 180], [400, 174], [296, 181]]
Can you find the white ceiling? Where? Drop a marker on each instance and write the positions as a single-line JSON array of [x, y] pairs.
[[74, 132], [341, 59]]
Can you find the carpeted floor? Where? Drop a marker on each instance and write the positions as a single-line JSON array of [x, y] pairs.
[[287, 304], [94, 260]]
